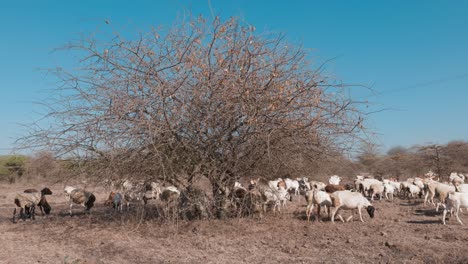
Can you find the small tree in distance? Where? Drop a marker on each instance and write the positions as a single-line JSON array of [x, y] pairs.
[[205, 98]]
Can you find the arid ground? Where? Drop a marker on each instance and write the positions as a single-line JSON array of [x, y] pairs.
[[402, 232]]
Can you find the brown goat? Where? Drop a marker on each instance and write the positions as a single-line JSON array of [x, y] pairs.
[[331, 188]]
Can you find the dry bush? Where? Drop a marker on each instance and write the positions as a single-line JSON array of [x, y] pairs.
[[208, 99]]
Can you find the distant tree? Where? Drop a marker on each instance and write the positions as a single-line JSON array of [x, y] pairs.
[[436, 160], [41, 165], [368, 155], [205, 98], [397, 151]]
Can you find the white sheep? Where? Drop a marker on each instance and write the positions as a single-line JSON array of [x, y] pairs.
[[350, 201], [455, 200]]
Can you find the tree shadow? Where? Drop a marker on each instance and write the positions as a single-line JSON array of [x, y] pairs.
[[409, 203], [425, 222], [427, 212]]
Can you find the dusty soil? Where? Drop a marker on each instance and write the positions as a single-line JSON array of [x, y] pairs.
[[402, 232]]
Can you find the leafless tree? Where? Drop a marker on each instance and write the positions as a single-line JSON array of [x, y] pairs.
[[208, 98]]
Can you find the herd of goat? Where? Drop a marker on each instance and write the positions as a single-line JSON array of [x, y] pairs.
[[260, 194]]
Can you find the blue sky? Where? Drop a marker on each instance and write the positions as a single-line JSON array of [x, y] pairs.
[[414, 54]]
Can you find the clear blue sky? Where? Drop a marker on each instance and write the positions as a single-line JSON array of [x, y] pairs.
[[413, 53]]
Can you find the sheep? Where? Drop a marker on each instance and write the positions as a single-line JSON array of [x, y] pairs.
[[350, 201], [28, 201], [319, 198], [455, 200], [43, 204], [376, 189], [79, 196]]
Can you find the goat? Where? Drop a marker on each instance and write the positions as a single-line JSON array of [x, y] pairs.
[[292, 185], [153, 191], [334, 180], [276, 197], [376, 188], [455, 200], [457, 178], [389, 189], [441, 189], [462, 188], [413, 190], [364, 185], [317, 185], [79, 196], [350, 201], [319, 198], [116, 200], [331, 188]]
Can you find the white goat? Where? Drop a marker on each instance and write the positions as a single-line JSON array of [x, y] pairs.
[[292, 185], [455, 201], [364, 185], [413, 190], [389, 189], [274, 184], [334, 180], [376, 188], [462, 188], [350, 201], [276, 197], [317, 185], [457, 178], [319, 198], [441, 189]]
